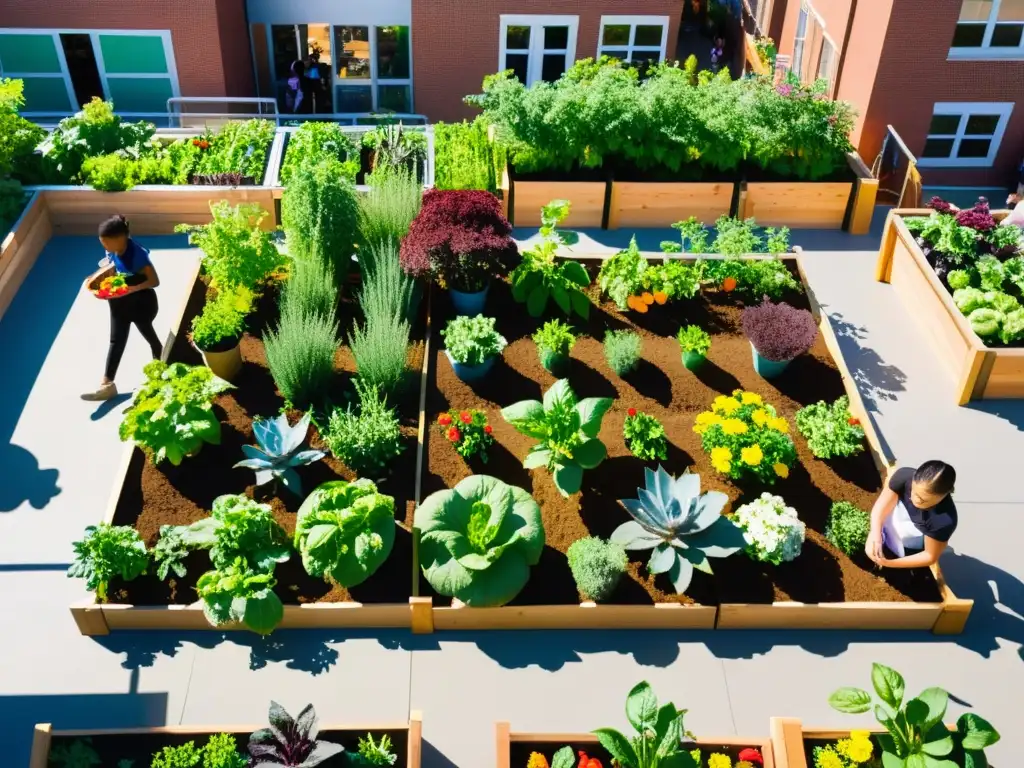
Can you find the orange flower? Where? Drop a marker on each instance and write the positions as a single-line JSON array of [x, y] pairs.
[[647, 298], [660, 297], [729, 284]]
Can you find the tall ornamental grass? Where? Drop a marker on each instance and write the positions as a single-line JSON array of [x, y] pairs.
[[310, 288], [300, 353]]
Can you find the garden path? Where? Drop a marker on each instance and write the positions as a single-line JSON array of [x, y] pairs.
[[730, 682]]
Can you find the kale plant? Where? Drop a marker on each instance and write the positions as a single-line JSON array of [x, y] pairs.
[[107, 551]]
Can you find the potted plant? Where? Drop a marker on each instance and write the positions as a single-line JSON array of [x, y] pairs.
[[778, 333], [461, 240], [694, 344], [217, 331], [472, 345], [554, 341]]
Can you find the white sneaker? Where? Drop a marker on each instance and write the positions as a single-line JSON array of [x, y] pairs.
[[106, 392]]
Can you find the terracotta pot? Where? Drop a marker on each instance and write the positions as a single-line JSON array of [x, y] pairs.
[[226, 362]]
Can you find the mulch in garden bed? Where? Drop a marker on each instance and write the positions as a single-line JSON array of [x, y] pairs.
[[140, 747], [154, 496], [663, 388]]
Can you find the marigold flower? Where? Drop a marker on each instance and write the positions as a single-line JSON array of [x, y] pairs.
[[721, 453], [760, 417], [660, 297], [750, 398], [751, 755], [725, 467], [631, 411], [861, 736], [488, 429], [752, 455], [466, 417], [729, 284], [454, 435], [781, 470], [726, 405], [537, 760], [734, 426], [444, 419], [705, 420], [779, 424], [827, 758], [859, 750], [718, 760]]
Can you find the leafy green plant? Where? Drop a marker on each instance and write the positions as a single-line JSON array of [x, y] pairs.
[[693, 338], [375, 752], [171, 415], [990, 273], [622, 275], [472, 340], [367, 440], [916, 734], [478, 540], [121, 171], [993, 315], [848, 527], [106, 551], [693, 236], [777, 240], [388, 208], [675, 279], [236, 250], [18, 137], [596, 565], [735, 237], [290, 742], [682, 526], [567, 430], [345, 531], [314, 141], [831, 430], [955, 242], [464, 158], [644, 436], [78, 754], [236, 593], [622, 351], [220, 324], [539, 277], [279, 451], [12, 201], [186, 755], [396, 147], [659, 734], [554, 341], [239, 146], [300, 355], [958, 278], [221, 751]]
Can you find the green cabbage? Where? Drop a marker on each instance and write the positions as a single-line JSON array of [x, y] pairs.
[[968, 299], [1013, 327], [985, 322]]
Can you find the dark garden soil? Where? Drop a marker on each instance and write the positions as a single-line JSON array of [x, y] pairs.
[[154, 496], [140, 747], [519, 751], [663, 388]]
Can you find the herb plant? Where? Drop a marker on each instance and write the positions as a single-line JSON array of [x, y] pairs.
[[310, 289], [369, 439], [468, 431], [622, 275], [916, 734], [221, 751], [644, 436], [779, 332], [300, 354], [673, 280], [831, 430], [185, 755], [236, 250], [240, 146], [622, 351], [345, 531], [554, 341], [540, 277], [171, 415], [659, 734], [848, 527], [387, 209], [375, 752], [692, 338], [314, 141], [472, 340], [237, 594], [279, 452], [290, 742], [107, 551], [464, 158], [479, 539], [682, 526], [222, 320], [773, 531], [596, 565], [743, 436], [567, 430]]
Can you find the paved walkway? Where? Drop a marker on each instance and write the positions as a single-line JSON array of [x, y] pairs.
[[730, 682]]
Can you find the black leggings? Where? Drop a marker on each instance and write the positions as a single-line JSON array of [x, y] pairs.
[[138, 308]]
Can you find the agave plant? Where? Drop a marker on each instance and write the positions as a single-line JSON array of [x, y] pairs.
[[290, 742], [278, 453], [683, 527]]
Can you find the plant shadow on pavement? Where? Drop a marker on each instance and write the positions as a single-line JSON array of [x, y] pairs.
[[876, 379], [24, 480]]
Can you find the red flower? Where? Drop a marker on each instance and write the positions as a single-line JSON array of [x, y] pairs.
[[454, 435], [466, 417], [853, 422], [444, 419], [488, 429], [631, 411], [751, 755], [588, 762]]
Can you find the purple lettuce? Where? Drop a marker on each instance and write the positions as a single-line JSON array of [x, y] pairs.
[[978, 218], [939, 205], [290, 743], [779, 332]]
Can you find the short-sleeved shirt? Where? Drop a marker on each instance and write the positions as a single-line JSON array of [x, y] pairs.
[[937, 523], [134, 259]]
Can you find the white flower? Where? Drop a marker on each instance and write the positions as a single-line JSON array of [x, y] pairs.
[[772, 530]]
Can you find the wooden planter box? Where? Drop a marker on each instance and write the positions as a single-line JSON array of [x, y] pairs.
[[638, 204], [980, 372], [505, 737], [522, 201], [21, 246], [813, 204], [411, 733]]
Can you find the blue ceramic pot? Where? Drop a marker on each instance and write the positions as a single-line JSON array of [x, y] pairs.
[[469, 304], [768, 369], [471, 373]]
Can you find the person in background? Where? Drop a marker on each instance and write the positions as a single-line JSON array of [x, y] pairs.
[[315, 81], [717, 54], [914, 517], [295, 91], [137, 306]]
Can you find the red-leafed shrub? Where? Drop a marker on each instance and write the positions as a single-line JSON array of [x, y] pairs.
[[779, 331], [459, 239]]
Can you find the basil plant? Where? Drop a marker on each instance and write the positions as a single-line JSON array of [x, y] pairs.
[[567, 430], [659, 734], [478, 540], [917, 737]]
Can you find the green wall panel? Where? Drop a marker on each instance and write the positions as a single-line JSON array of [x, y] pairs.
[[23, 53], [46, 94], [133, 54], [140, 94]]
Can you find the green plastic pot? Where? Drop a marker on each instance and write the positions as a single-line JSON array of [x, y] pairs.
[[693, 360]]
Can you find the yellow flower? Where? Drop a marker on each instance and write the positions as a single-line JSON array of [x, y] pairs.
[[726, 405], [760, 417], [827, 758], [752, 455], [751, 398], [537, 760], [781, 470], [722, 466], [718, 760], [721, 454], [734, 427], [705, 420], [857, 750], [861, 736], [779, 424]]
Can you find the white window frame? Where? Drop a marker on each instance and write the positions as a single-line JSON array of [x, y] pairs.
[[633, 22], [985, 51], [800, 39], [964, 110], [94, 37], [829, 74], [536, 51]]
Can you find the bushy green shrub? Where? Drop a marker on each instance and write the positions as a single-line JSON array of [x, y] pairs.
[[12, 202], [831, 430], [118, 172], [240, 146], [693, 338], [310, 288], [472, 340], [186, 755], [300, 355], [222, 319], [387, 209], [848, 527], [464, 158], [622, 351], [221, 751], [596, 565], [18, 137], [107, 551], [644, 436], [369, 439], [314, 141]]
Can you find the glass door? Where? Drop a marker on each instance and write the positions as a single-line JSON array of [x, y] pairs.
[[538, 47], [302, 51]]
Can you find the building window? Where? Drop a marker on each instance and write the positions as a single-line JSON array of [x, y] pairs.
[[965, 135], [63, 69], [989, 29], [826, 64], [639, 40], [537, 47], [798, 42]]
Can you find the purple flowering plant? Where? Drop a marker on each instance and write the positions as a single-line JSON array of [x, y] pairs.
[[779, 332]]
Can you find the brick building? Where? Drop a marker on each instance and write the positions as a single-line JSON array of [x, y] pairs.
[[945, 74]]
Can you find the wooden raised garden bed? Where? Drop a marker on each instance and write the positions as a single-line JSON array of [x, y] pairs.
[[980, 372], [814, 204], [21, 246], [140, 743], [821, 589], [147, 496], [636, 204], [523, 200], [514, 748]]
